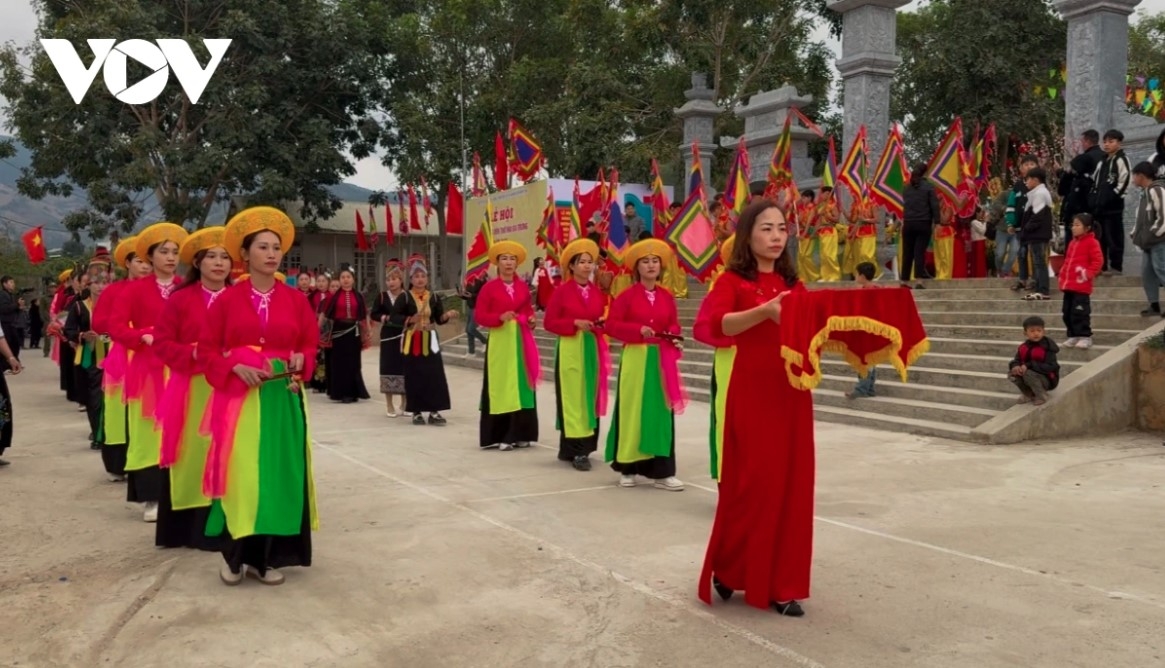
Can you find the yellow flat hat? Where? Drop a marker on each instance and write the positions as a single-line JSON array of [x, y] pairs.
[[158, 233], [242, 277], [726, 249], [578, 247], [204, 239], [258, 219], [645, 248], [65, 275], [122, 252], [507, 247]]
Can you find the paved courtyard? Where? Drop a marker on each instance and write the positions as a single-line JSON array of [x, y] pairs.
[[431, 553]]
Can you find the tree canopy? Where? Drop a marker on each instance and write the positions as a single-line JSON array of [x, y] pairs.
[[291, 100]]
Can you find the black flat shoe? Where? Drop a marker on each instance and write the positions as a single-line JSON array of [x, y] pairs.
[[436, 420], [582, 463], [790, 609], [722, 591], [418, 419]]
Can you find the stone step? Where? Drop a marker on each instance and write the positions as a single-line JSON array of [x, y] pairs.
[[1046, 309], [992, 318], [854, 415], [1000, 348], [981, 363], [1005, 294], [1107, 337], [1123, 281], [992, 380], [947, 413], [888, 386]]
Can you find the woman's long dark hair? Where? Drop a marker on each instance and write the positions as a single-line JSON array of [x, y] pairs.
[[742, 261], [361, 308], [194, 274], [917, 174]]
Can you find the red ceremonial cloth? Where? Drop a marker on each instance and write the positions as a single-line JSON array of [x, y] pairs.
[[762, 538]]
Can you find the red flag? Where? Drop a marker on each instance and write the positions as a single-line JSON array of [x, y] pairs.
[[361, 240], [454, 211], [501, 164], [400, 210], [414, 219], [34, 245], [389, 233]]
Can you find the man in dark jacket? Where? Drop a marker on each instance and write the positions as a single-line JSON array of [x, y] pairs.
[[1076, 182], [469, 294], [1111, 182], [10, 311], [921, 213], [1035, 370], [1036, 230]]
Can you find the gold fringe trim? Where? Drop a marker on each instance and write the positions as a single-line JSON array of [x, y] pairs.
[[806, 380]]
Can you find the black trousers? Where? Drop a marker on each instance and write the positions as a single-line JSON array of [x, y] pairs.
[[1112, 239], [915, 241], [89, 382], [1078, 314]]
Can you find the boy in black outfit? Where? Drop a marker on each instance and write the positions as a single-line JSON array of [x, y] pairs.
[[1035, 231], [1110, 184], [1035, 370]]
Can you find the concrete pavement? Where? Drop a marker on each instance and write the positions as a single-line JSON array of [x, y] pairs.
[[432, 553]]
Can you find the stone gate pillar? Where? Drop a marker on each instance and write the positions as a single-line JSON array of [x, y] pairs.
[[764, 119], [1098, 61], [867, 65], [699, 116]]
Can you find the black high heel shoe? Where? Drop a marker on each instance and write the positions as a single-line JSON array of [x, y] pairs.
[[724, 592], [790, 609]]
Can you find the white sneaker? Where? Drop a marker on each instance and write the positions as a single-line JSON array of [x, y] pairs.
[[116, 478], [672, 484], [505, 446], [1085, 343], [150, 511], [626, 481], [1071, 343], [391, 414]]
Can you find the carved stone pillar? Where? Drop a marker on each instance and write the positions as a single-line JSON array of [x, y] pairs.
[[699, 116], [1098, 61], [764, 119], [867, 65]]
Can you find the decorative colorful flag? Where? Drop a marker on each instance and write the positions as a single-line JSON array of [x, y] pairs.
[[373, 237], [578, 227], [550, 231], [525, 152], [34, 245], [660, 204], [400, 212], [454, 211], [501, 164], [945, 169], [692, 233], [361, 239], [890, 175], [615, 241], [854, 170], [426, 203], [477, 257], [781, 164], [479, 187], [389, 231], [736, 187], [414, 218]]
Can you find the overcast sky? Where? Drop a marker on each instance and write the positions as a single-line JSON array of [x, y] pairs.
[[19, 25]]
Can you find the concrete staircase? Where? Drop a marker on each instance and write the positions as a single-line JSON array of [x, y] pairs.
[[974, 327]]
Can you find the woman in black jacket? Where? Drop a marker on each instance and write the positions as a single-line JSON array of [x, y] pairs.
[[920, 215]]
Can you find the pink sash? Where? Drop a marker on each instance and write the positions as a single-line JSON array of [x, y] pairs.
[[530, 352], [115, 365], [226, 405], [604, 370], [172, 416], [145, 379], [669, 368]]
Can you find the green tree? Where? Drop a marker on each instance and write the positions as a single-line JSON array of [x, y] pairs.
[[1147, 50], [981, 60], [292, 95]]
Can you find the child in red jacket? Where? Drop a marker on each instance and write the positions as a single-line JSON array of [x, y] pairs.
[[1080, 268]]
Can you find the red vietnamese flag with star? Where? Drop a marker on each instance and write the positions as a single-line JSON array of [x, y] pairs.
[[34, 245]]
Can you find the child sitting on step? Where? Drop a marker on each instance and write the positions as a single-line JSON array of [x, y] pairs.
[[1035, 370], [864, 276], [1076, 277]]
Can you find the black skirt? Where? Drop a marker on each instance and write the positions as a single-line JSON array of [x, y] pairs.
[[656, 468], [426, 389], [182, 528], [569, 448], [146, 485], [113, 457], [5, 415], [261, 552], [392, 361], [345, 376], [520, 426]]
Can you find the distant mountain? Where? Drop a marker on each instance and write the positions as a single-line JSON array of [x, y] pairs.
[[18, 212]]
